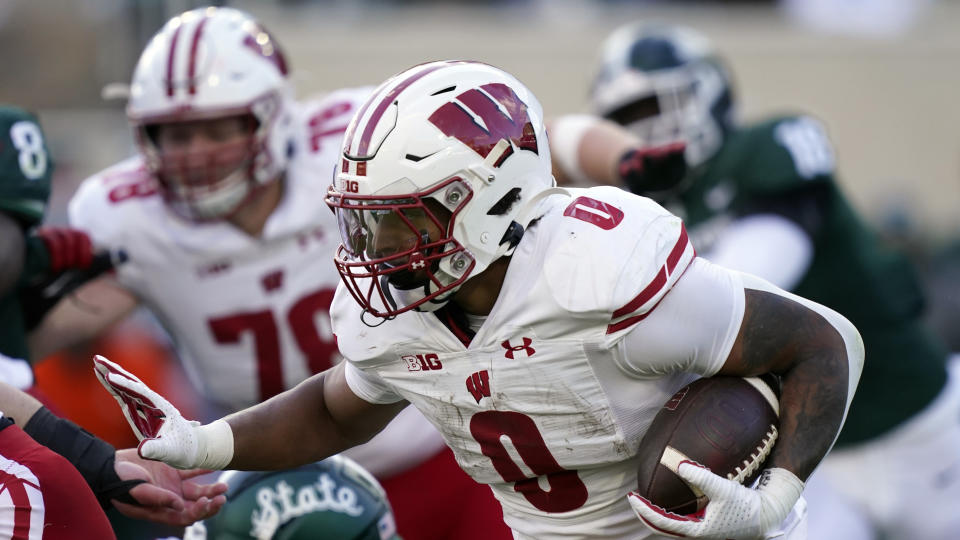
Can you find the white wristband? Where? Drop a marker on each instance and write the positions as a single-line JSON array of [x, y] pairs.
[[782, 488], [214, 445]]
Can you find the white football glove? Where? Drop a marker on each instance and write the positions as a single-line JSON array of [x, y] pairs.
[[733, 511], [164, 434]]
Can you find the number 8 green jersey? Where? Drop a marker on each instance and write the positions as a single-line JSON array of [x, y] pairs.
[[25, 166], [25, 171]]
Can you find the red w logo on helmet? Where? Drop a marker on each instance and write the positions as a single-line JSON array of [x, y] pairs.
[[494, 112]]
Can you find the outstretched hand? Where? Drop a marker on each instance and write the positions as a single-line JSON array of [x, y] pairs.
[[168, 495], [164, 434]]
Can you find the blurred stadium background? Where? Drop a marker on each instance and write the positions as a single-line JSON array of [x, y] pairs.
[[883, 75]]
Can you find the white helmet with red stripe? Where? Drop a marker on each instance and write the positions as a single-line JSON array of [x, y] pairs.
[[454, 154], [213, 63]]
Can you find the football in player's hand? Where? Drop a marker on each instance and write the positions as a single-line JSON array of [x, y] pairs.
[[728, 424]]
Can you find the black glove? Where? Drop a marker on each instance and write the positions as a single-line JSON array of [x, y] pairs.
[[39, 295], [654, 168]]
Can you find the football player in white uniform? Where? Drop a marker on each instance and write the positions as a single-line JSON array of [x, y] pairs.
[[540, 329], [229, 240]]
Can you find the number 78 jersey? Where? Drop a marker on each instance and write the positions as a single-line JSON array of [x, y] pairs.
[[542, 403], [249, 315]]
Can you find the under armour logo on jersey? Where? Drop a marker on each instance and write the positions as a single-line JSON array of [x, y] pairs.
[[478, 385], [511, 349], [272, 281]]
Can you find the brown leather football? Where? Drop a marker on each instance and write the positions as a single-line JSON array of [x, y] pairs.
[[728, 424]]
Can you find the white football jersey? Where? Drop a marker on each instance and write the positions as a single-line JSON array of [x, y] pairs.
[[250, 316], [545, 403]]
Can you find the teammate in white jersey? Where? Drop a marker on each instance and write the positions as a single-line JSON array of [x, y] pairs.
[[229, 240], [540, 329]]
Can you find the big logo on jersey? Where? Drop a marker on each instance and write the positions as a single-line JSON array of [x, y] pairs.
[[494, 113]]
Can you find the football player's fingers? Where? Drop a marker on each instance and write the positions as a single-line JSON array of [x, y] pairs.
[[106, 366], [139, 392], [203, 508], [190, 513], [659, 520], [713, 486], [156, 496], [193, 491], [154, 449], [193, 473], [101, 373]]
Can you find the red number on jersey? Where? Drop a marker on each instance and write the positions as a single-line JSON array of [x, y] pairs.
[[567, 491], [266, 340], [319, 348], [594, 212], [320, 123], [142, 188]]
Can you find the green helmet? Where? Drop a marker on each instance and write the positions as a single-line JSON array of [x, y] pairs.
[[334, 498], [25, 166], [665, 83]]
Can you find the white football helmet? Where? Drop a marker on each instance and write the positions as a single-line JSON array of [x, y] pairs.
[[213, 63], [665, 83], [454, 154]]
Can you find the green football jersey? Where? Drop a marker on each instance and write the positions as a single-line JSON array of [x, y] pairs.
[[786, 166], [25, 171]]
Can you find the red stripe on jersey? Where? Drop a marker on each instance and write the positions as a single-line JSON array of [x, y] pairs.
[[14, 486], [386, 101], [170, 57], [192, 68], [658, 282], [678, 249], [630, 321]]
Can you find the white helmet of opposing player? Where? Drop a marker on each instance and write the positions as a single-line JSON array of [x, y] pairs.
[[439, 170], [204, 64]]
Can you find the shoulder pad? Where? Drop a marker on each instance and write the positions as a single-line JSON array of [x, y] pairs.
[[613, 254], [110, 202], [324, 119], [779, 155], [358, 341]]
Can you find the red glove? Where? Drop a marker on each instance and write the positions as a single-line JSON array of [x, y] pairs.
[[653, 168], [68, 248]]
